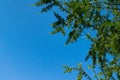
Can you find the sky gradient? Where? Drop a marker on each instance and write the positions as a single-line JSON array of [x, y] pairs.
[[28, 51]]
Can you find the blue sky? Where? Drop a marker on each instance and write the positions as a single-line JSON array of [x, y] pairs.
[[28, 51]]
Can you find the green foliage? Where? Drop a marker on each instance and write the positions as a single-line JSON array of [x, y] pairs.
[[102, 16], [81, 73]]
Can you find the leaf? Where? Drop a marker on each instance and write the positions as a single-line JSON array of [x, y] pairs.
[[58, 17], [57, 29], [67, 69], [47, 8], [80, 76]]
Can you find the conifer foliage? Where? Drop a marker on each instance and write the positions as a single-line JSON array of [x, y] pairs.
[[101, 16]]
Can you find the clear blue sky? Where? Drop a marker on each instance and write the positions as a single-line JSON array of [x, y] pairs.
[[28, 51]]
